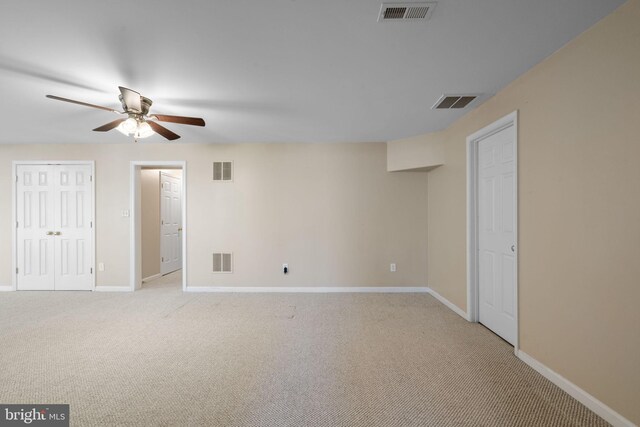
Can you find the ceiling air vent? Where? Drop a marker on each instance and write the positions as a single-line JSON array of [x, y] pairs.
[[406, 11], [454, 102]]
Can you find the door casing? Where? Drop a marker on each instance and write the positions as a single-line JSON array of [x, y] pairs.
[[14, 198], [472, 217]]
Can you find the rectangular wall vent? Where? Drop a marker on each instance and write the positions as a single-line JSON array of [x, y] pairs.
[[454, 102], [222, 262], [223, 171], [406, 11]]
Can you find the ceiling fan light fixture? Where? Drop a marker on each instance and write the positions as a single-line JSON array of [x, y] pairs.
[[137, 129], [129, 126], [144, 130]]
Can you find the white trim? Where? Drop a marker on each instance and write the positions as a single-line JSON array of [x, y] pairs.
[[472, 273], [14, 229], [135, 275], [14, 242], [448, 304], [133, 180], [576, 392], [8, 288], [309, 289], [94, 225], [152, 277], [104, 288], [472, 243]]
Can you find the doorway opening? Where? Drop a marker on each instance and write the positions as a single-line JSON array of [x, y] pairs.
[[158, 222], [492, 228]]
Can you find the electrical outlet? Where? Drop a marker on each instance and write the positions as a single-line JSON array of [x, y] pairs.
[[101, 266], [392, 267], [285, 268]]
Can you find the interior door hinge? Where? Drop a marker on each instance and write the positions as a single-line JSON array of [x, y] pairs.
[[16, 270], [16, 178], [90, 224], [90, 178], [91, 270], [17, 226], [162, 258]]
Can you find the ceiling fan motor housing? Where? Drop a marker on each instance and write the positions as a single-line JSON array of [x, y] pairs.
[[145, 103]]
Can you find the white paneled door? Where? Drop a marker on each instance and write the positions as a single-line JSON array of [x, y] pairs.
[[496, 233], [34, 215], [170, 223], [54, 227]]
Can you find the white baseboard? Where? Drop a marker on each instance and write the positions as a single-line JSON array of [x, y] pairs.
[[6, 288], [312, 289], [576, 392], [113, 289], [449, 304], [150, 278]]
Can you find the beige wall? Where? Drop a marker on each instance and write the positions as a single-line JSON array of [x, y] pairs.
[[329, 210], [579, 209], [423, 152], [150, 220]]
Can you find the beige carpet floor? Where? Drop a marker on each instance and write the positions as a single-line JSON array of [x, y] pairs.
[[159, 357]]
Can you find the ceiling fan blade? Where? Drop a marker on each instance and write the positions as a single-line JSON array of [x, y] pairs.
[[82, 103], [163, 131], [114, 124], [194, 121], [131, 99]]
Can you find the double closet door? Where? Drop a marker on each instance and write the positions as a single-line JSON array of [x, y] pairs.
[[54, 227]]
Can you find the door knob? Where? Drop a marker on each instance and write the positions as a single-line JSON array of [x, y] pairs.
[[513, 248], [49, 233], [57, 233], [180, 229]]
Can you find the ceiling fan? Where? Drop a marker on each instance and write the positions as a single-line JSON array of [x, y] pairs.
[[138, 123]]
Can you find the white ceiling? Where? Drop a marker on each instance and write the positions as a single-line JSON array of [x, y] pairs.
[[267, 71]]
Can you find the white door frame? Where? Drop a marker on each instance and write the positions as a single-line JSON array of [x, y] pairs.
[[135, 233], [472, 215], [14, 201]]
